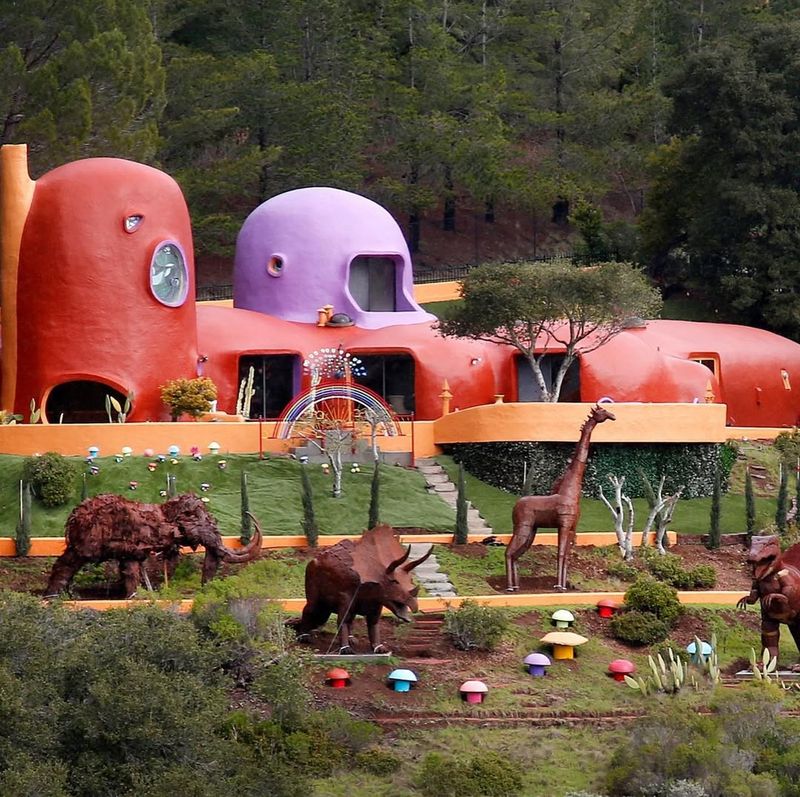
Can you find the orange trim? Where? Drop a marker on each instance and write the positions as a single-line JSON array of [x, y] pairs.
[[715, 598], [54, 546], [16, 196]]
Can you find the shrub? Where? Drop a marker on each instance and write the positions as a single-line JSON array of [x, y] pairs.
[[703, 577], [669, 569], [638, 628], [474, 627], [624, 571], [655, 597], [51, 477], [484, 775], [190, 396], [378, 762]]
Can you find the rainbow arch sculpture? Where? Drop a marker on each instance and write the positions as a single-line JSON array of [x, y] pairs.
[[310, 399]]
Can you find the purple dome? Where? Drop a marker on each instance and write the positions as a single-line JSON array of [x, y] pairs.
[[537, 658], [312, 247]]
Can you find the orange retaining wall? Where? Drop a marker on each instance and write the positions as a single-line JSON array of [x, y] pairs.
[[436, 292], [233, 438], [520, 600], [636, 423], [54, 546]]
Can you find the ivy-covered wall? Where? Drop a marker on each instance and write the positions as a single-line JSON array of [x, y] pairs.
[[689, 465]]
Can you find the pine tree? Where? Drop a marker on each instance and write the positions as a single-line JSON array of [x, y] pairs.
[[783, 501], [247, 523], [716, 497], [374, 499], [462, 528], [309, 523], [749, 503], [23, 536]]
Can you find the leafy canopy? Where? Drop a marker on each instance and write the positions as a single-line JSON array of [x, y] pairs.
[[550, 308]]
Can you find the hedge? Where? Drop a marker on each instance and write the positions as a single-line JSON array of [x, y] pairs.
[[689, 465]]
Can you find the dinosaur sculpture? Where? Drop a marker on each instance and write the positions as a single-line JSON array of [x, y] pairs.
[[776, 582], [362, 577], [559, 510], [111, 527]]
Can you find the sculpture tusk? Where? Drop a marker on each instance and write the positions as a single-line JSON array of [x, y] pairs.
[[246, 553]]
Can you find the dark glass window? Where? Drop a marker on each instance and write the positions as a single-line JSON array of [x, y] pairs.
[[528, 389], [273, 382], [372, 283], [390, 376]]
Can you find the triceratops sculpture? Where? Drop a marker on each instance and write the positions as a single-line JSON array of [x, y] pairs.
[[111, 527], [362, 577], [776, 581]]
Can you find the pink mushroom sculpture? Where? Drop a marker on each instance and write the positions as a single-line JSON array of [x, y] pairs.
[[619, 668], [473, 691]]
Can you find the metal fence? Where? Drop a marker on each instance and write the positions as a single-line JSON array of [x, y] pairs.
[[207, 293]]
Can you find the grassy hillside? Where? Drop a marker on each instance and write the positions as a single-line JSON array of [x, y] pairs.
[[273, 487]]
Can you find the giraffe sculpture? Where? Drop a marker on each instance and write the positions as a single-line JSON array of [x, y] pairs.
[[559, 510]]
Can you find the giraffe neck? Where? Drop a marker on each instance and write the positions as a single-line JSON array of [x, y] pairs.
[[573, 475]]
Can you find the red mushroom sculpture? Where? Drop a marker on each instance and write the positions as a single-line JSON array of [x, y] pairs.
[[607, 607], [337, 678]]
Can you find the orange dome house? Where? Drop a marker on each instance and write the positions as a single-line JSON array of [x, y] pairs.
[[101, 301]]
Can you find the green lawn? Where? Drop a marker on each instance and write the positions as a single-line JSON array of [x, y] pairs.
[[273, 487], [691, 516]]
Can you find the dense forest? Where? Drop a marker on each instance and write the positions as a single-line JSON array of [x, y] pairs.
[[662, 131]]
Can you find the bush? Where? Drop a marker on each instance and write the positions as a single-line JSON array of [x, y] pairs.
[[484, 775], [51, 477], [378, 762], [190, 396], [638, 628], [655, 597], [669, 569], [703, 577], [474, 627], [622, 570]]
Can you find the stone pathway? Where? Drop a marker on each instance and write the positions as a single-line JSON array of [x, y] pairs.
[[439, 483], [428, 573]]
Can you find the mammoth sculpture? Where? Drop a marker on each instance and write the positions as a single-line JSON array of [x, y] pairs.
[[776, 582], [111, 527], [362, 577]]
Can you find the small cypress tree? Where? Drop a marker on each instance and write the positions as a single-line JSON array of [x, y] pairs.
[[783, 501], [527, 485], [462, 526], [309, 523], [374, 499], [172, 486], [749, 503], [716, 498], [84, 489], [247, 523], [23, 535]]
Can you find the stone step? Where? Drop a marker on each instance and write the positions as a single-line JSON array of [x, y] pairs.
[[430, 469], [436, 478], [446, 487], [433, 578], [426, 462]]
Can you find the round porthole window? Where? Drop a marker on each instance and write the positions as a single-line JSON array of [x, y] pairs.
[[275, 266], [169, 279]]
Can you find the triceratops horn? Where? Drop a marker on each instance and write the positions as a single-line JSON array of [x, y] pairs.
[[397, 562], [409, 566]]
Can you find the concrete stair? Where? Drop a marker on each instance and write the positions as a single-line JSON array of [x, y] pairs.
[[439, 483], [436, 583]]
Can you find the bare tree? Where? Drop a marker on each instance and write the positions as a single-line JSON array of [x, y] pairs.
[[623, 515]]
